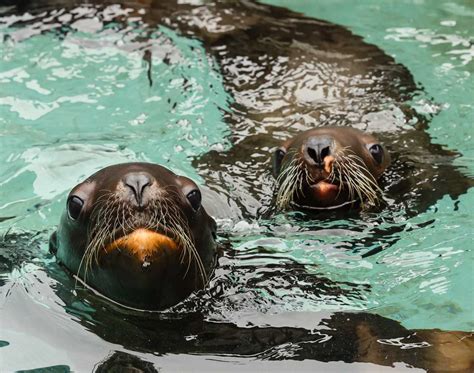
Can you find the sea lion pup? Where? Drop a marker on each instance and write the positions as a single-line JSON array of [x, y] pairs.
[[137, 234], [329, 168]]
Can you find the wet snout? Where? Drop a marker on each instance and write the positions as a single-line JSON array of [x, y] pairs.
[[317, 152], [137, 187]]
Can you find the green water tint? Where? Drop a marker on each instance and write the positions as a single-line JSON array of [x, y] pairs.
[[425, 279], [420, 279], [74, 104]]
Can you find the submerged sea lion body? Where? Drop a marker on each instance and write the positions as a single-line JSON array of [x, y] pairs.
[[137, 234], [344, 337]]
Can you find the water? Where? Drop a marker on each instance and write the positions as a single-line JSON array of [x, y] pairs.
[[78, 98], [434, 40]]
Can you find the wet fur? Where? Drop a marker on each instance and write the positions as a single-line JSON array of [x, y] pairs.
[[112, 217], [348, 171]]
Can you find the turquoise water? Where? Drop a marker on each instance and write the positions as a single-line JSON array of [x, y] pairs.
[[72, 105], [71, 108], [425, 280]]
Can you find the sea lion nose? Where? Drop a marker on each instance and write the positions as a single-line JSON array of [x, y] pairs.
[[316, 149], [137, 182]]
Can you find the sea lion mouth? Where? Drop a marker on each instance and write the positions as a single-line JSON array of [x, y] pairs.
[[150, 237], [143, 243], [344, 180], [329, 195], [325, 189]]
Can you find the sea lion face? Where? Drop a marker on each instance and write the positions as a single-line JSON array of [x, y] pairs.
[[137, 234], [329, 168]]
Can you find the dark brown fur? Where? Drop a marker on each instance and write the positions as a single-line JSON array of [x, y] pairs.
[[110, 211]]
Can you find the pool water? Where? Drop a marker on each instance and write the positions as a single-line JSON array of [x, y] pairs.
[[74, 102], [434, 40]]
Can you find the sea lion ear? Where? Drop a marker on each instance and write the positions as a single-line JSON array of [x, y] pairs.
[[53, 243], [278, 156]]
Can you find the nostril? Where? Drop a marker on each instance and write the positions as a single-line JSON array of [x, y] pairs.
[[317, 148], [137, 182], [314, 155], [144, 186], [325, 152]]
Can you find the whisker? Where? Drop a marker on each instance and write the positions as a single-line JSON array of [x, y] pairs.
[[109, 216], [288, 180], [355, 175]]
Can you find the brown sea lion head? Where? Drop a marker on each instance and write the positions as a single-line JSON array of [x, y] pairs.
[[329, 168], [138, 235]]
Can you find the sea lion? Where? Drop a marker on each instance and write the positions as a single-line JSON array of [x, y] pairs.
[[328, 168], [138, 234], [288, 73], [340, 336]]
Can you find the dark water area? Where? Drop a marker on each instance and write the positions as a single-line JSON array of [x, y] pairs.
[[209, 90]]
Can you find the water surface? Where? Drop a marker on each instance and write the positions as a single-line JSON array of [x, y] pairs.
[[73, 102]]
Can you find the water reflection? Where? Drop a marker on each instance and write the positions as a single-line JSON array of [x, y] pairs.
[[40, 300], [89, 86]]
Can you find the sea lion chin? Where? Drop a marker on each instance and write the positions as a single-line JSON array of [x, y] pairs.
[[137, 234], [329, 168]]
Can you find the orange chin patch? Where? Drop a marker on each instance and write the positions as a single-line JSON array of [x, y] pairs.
[[324, 191], [142, 242]]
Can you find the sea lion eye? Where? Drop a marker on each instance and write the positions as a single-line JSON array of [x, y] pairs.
[[74, 207], [194, 198], [377, 152], [277, 159]]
